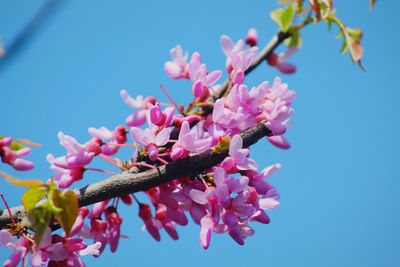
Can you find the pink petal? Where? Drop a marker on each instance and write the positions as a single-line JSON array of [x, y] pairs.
[[152, 229], [5, 238], [102, 132], [268, 203], [218, 110], [213, 77], [138, 136], [163, 136], [270, 170], [92, 249], [219, 176], [22, 165], [279, 141], [172, 69], [152, 151], [197, 212], [199, 196], [286, 68], [205, 237], [171, 230], [185, 129], [177, 152], [226, 44], [37, 259], [235, 144], [136, 118], [236, 235]]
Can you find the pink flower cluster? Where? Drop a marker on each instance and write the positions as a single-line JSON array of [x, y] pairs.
[[53, 250], [226, 198], [14, 157]]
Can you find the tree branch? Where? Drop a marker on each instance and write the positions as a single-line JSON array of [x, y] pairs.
[[128, 182]]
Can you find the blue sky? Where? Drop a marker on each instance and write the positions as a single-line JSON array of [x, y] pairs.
[[339, 184]]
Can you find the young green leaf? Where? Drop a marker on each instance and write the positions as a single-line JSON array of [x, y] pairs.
[[67, 202], [32, 196], [15, 146], [284, 17], [37, 219]]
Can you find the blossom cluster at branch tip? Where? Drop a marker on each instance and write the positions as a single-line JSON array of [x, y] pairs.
[[224, 199]]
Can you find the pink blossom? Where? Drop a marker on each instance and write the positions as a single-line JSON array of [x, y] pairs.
[[138, 117], [252, 37], [232, 51], [240, 63], [270, 200], [159, 117], [64, 176], [238, 157], [189, 142], [258, 179], [73, 248], [151, 140], [79, 222], [169, 225], [19, 249], [201, 78], [14, 157], [280, 90], [77, 156], [279, 141], [111, 139], [149, 221], [114, 227], [279, 62], [42, 252], [226, 118], [178, 67]]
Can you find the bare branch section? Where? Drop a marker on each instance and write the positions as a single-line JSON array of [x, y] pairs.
[[126, 182]]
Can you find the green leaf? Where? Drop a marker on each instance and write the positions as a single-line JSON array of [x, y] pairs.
[[353, 38], [32, 196], [284, 17], [67, 202], [15, 146], [37, 219]]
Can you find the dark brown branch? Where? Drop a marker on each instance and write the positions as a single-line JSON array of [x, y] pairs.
[[127, 182]]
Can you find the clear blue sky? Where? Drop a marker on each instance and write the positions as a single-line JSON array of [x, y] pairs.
[[340, 184]]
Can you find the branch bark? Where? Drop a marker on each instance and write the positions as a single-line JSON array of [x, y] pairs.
[[127, 182]]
